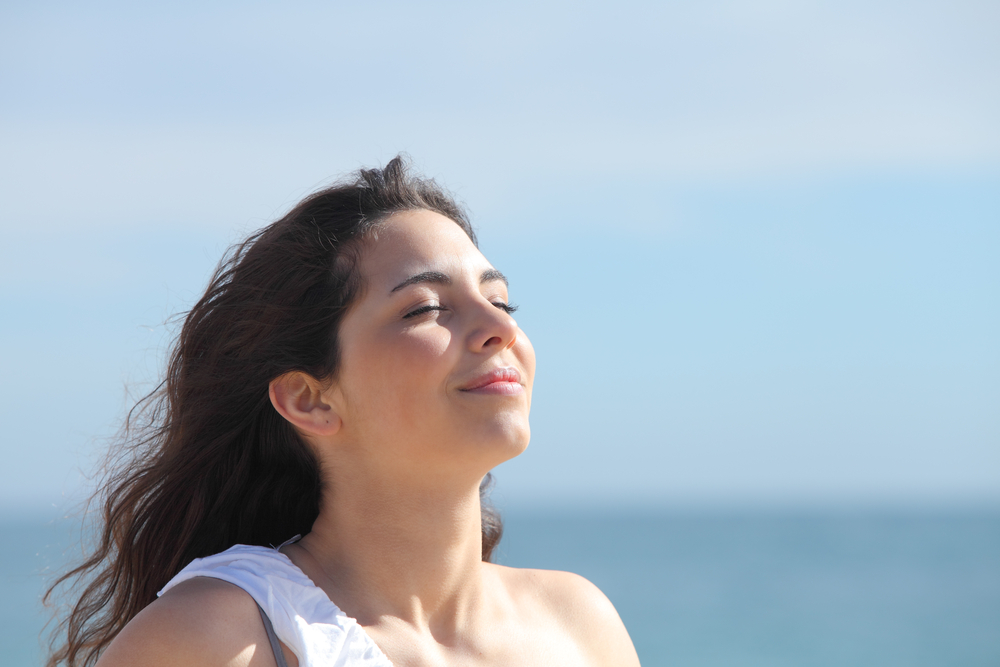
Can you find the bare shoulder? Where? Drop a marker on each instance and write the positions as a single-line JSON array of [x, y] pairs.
[[201, 622], [579, 607]]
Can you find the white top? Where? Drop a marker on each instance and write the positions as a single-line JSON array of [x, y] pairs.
[[304, 618]]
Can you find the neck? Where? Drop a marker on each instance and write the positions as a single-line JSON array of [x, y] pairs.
[[378, 553]]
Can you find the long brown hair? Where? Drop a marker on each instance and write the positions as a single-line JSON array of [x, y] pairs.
[[204, 461]]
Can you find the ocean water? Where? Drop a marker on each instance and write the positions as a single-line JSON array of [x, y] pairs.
[[734, 589]]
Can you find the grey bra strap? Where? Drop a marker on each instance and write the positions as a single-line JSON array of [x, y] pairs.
[[279, 657]]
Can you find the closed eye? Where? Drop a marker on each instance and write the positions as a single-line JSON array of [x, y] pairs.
[[505, 307], [422, 310]]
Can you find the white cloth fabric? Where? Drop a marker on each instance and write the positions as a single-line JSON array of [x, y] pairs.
[[304, 618]]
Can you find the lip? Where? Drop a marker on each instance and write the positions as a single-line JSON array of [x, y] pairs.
[[504, 381]]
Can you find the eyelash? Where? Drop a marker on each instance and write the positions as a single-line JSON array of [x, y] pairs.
[[505, 307]]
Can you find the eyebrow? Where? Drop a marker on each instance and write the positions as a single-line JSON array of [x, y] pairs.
[[489, 275]]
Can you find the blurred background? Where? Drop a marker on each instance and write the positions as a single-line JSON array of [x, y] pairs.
[[755, 245]]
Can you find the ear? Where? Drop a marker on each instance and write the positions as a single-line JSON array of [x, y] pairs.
[[298, 397]]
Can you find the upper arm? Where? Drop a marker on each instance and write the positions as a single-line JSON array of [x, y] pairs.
[[199, 623], [588, 614]]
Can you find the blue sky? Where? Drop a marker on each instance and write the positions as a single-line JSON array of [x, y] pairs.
[[754, 244]]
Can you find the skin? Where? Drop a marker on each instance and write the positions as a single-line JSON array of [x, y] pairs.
[[403, 444]]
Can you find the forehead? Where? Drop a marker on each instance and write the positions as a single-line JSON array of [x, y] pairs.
[[411, 242]]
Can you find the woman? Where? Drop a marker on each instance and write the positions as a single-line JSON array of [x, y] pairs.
[[351, 375]]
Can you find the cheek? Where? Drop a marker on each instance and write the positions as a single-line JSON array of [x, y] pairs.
[[400, 373], [525, 353], [418, 359], [423, 351]]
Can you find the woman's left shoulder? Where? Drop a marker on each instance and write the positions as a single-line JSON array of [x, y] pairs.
[[578, 606]]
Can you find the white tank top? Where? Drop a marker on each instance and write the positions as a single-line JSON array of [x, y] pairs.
[[304, 618]]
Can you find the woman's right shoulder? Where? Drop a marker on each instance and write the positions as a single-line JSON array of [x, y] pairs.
[[201, 622]]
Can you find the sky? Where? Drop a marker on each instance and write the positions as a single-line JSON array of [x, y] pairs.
[[754, 243]]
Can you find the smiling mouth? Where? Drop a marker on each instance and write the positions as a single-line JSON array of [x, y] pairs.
[[502, 381]]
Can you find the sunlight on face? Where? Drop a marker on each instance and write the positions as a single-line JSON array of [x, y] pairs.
[[435, 375]]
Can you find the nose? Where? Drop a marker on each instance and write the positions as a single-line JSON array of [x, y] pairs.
[[493, 329]]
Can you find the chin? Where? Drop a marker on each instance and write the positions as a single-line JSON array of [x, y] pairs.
[[509, 439]]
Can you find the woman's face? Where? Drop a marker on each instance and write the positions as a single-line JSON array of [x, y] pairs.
[[435, 375]]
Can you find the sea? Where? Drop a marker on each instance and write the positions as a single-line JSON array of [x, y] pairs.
[[879, 588]]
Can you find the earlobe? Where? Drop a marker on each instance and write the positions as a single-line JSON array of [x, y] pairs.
[[298, 397]]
